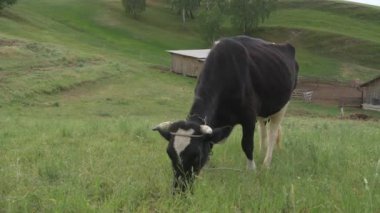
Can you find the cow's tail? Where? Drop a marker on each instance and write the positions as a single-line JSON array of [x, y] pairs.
[[292, 53]]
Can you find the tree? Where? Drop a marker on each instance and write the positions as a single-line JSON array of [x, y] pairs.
[[134, 7], [246, 15], [186, 8], [211, 19], [4, 3]]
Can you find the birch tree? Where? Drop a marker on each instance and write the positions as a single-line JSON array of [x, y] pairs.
[[246, 15]]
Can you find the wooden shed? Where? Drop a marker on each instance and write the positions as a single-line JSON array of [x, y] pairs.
[[371, 94], [188, 62]]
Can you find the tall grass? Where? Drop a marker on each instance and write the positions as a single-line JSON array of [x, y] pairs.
[[115, 163]]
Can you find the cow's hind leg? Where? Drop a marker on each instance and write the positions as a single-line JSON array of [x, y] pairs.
[[247, 144], [279, 137], [263, 133], [274, 134]]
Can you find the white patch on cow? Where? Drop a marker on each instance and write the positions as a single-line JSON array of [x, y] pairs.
[[181, 141], [164, 125], [206, 129], [274, 129]]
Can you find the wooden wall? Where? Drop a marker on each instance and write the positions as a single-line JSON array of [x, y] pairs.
[[185, 65], [371, 93]]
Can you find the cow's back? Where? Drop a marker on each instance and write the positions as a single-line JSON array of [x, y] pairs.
[[226, 70], [273, 72], [244, 76], [224, 84]]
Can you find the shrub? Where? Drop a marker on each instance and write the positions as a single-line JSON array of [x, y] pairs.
[[4, 3], [134, 7]]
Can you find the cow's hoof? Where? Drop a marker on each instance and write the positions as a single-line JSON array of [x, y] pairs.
[[266, 164], [251, 165]]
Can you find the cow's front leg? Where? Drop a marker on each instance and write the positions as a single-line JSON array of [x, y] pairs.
[[247, 144]]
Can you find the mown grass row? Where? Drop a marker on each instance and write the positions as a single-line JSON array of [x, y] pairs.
[[48, 47]]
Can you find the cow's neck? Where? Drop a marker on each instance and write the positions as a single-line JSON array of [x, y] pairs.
[[202, 111]]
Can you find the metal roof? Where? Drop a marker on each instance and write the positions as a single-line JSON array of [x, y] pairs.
[[199, 54]]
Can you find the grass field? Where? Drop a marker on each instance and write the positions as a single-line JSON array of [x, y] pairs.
[[80, 91], [94, 151]]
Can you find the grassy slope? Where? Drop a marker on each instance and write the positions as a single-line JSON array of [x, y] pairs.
[[78, 97], [99, 34], [340, 40]]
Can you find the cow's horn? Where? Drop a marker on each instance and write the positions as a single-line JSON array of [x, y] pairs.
[[163, 126], [206, 129]]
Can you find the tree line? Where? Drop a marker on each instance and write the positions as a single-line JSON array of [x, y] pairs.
[[5, 3], [243, 15]]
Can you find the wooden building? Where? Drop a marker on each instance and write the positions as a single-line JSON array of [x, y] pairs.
[[188, 62], [371, 94]]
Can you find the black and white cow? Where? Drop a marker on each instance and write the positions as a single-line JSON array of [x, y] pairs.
[[244, 80]]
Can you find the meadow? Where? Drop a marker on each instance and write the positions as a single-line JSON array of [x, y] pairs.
[[80, 90]]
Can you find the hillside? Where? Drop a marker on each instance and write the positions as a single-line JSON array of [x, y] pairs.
[[92, 38], [328, 47], [335, 40]]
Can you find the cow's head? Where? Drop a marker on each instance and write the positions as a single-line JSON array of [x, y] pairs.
[[189, 148]]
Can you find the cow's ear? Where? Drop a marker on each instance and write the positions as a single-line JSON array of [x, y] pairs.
[[219, 134], [163, 129]]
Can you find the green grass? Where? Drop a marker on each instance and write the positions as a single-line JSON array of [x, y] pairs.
[[328, 56], [107, 162], [80, 91], [100, 27], [326, 21], [340, 7], [334, 40]]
